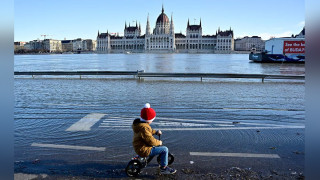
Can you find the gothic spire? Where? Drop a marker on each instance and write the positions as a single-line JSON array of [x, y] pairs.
[[200, 22], [171, 19], [148, 26], [172, 26], [188, 22], [162, 9]]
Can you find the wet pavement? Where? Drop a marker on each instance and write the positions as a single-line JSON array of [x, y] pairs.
[[80, 129]]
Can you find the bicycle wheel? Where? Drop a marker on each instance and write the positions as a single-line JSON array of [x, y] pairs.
[[170, 159], [133, 168]]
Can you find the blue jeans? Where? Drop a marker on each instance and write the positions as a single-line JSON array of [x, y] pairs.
[[163, 151]]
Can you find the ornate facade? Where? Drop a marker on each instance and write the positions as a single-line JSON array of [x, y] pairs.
[[163, 39]]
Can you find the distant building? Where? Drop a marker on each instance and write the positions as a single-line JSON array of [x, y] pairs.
[[248, 43], [51, 45], [35, 45], [46, 45], [19, 45], [94, 45], [89, 45], [28, 46], [67, 45], [83, 45], [77, 45], [163, 39], [225, 41]]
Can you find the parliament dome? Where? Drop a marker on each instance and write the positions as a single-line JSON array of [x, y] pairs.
[[162, 18]]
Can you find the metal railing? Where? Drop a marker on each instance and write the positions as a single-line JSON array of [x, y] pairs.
[[141, 74]]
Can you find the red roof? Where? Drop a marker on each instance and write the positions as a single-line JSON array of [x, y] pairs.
[[162, 18]]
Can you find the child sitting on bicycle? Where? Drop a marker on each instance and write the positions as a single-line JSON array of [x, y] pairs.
[[145, 144]]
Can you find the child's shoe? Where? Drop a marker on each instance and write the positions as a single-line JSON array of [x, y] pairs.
[[167, 170]]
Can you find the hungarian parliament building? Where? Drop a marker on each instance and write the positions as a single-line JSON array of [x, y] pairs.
[[163, 39]]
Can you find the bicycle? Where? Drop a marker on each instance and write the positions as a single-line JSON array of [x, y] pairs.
[[137, 163]]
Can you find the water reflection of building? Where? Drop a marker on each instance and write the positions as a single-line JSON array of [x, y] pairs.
[[163, 39]]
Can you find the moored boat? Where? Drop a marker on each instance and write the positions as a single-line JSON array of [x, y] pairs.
[[283, 50]]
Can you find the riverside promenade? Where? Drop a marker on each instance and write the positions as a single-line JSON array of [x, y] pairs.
[[78, 126], [72, 128]]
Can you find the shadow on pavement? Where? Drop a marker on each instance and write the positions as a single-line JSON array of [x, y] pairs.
[[59, 168]]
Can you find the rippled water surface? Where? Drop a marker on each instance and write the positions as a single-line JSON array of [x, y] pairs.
[[232, 110], [195, 63]]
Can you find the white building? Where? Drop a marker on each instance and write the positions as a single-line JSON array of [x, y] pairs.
[[163, 39], [47, 45], [225, 41], [88, 45], [52, 45], [77, 45], [249, 43]]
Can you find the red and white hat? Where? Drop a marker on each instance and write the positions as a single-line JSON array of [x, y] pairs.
[[147, 113]]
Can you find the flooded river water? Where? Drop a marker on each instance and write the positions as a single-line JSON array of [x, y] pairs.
[[226, 116]]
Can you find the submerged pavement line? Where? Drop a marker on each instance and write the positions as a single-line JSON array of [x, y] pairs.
[[215, 121], [228, 123], [69, 147], [110, 126], [212, 129], [231, 128], [70, 104], [86, 122], [246, 155], [211, 122]]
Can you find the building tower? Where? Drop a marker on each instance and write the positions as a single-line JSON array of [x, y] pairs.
[[148, 26], [162, 24], [172, 35], [171, 27]]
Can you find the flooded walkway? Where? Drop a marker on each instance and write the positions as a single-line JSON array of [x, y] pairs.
[[81, 128]]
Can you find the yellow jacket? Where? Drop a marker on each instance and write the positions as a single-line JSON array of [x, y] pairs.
[[143, 139]]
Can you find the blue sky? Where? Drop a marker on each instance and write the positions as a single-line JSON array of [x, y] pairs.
[[73, 19]]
